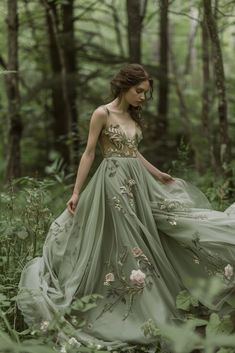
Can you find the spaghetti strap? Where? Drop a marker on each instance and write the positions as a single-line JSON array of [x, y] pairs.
[[105, 108]]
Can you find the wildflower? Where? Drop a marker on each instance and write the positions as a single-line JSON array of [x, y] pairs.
[[74, 321], [73, 342], [63, 349], [44, 326], [98, 346]]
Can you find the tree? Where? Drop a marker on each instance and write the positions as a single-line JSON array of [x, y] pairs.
[[135, 14], [206, 98], [12, 83], [61, 119], [220, 85], [69, 50], [163, 86]]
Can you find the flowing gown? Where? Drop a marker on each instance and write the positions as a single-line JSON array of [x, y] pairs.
[[135, 241]]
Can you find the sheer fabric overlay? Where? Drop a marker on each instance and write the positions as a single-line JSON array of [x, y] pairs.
[[133, 240]]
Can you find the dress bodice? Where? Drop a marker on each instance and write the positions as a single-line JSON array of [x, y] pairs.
[[114, 141]]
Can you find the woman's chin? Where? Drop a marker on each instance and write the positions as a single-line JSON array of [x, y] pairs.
[[136, 105]]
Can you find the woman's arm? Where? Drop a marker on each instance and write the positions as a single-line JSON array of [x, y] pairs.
[[97, 122], [163, 177]]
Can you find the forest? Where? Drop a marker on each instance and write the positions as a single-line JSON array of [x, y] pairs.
[[56, 62]]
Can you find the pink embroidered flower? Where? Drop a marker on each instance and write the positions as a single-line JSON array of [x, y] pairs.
[[228, 271], [137, 277], [137, 252], [109, 277]]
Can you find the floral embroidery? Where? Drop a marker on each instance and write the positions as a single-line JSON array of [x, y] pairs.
[[172, 221], [121, 145], [137, 277], [137, 252], [112, 167], [171, 206], [213, 264], [123, 287], [228, 271], [56, 229], [115, 201], [114, 135], [196, 259], [114, 152], [109, 278], [127, 189]]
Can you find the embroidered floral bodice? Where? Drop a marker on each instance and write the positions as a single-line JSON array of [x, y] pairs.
[[114, 141]]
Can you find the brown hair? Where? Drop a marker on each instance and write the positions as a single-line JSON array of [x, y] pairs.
[[127, 77]]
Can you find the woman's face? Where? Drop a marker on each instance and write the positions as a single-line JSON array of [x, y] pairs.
[[136, 95]]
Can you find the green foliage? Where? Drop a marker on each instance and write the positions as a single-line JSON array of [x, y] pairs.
[[56, 335], [181, 166], [185, 300], [218, 188], [196, 332], [26, 210]]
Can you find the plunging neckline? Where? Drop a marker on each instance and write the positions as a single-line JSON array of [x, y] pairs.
[[121, 129]]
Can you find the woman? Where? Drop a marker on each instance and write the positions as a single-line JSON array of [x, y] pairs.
[[134, 235]]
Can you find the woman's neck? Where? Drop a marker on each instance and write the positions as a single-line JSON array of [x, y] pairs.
[[121, 106]]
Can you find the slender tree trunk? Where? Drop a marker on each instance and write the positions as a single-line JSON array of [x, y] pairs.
[[182, 103], [206, 98], [163, 87], [206, 79], [61, 119], [69, 49], [190, 58], [135, 14], [116, 21], [12, 80], [220, 85]]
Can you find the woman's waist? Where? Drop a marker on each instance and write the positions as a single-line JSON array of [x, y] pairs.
[[119, 155]]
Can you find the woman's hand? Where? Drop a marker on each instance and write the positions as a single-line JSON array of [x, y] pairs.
[[72, 203], [165, 178]]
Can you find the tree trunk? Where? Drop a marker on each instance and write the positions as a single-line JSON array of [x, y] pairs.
[[61, 119], [69, 49], [118, 33], [206, 99], [163, 87], [12, 81], [182, 103], [191, 55], [135, 15], [220, 85]]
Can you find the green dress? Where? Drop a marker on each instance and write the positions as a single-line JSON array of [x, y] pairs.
[[135, 241]]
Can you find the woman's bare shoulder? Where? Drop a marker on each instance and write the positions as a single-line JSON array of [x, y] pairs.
[[99, 116], [101, 110]]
